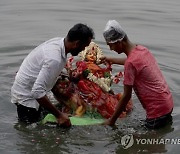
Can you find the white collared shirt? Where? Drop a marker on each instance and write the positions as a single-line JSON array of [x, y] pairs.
[[38, 72]]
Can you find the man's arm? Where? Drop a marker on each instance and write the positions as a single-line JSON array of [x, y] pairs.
[[44, 82], [112, 60], [62, 118], [121, 105]]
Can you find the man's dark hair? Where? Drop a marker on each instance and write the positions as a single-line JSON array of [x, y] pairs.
[[80, 32]]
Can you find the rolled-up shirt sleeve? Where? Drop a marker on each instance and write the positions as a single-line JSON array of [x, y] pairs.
[[46, 78]]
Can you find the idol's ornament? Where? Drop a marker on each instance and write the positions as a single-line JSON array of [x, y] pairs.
[[86, 87]]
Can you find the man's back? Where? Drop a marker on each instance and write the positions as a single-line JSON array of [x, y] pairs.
[[38, 72]]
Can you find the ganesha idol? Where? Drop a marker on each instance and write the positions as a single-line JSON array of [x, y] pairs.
[[87, 87]]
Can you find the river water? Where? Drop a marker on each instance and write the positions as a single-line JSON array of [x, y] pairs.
[[24, 24]]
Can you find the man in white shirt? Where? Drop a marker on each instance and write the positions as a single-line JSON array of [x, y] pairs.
[[39, 72]]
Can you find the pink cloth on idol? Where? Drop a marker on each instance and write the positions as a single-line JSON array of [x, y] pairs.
[[142, 72]]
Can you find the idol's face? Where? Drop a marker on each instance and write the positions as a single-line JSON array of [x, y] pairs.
[[91, 55]]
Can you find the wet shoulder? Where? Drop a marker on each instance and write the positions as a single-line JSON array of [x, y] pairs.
[[139, 55], [55, 40], [138, 52], [54, 49]]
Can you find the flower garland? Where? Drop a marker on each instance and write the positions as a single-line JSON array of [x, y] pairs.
[[104, 82]]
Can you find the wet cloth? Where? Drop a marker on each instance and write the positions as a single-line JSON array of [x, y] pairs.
[[159, 122], [27, 114], [38, 73], [143, 73], [30, 115]]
